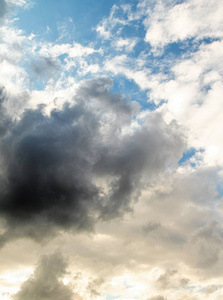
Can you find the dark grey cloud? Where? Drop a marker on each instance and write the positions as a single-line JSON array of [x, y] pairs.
[[3, 8], [46, 282], [80, 163], [4, 120]]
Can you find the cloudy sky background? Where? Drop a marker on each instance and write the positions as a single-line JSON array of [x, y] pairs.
[[111, 142]]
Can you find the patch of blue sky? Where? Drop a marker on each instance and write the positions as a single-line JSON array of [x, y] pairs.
[[219, 188], [45, 18], [72, 21], [188, 154], [177, 49], [142, 47], [37, 84]]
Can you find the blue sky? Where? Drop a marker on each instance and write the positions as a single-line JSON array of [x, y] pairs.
[[37, 18], [111, 149]]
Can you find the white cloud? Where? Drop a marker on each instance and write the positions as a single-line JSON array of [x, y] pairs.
[[194, 98], [127, 44], [72, 50], [168, 22], [119, 17]]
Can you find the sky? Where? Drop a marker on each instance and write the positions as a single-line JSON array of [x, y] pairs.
[[111, 142]]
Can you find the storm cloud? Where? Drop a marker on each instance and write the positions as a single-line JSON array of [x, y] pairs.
[[82, 163]]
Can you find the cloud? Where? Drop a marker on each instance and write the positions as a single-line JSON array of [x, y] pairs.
[[45, 66], [3, 8], [119, 17], [101, 163], [206, 246], [193, 92], [170, 21], [72, 50], [83, 162], [171, 279], [46, 282], [156, 298], [127, 44], [4, 120]]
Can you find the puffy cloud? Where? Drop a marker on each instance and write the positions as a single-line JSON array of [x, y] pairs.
[[171, 21], [193, 93], [46, 282], [79, 167], [81, 163]]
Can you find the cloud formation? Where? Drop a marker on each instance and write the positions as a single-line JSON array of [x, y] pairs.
[[46, 282], [97, 175], [170, 21], [83, 162], [3, 8]]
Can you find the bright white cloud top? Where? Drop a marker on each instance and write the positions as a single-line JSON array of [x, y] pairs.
[[111, 142]]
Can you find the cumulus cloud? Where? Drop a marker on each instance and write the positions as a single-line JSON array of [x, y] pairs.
[[46, 282], [83, 162], [80, 167], [170, 21]]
